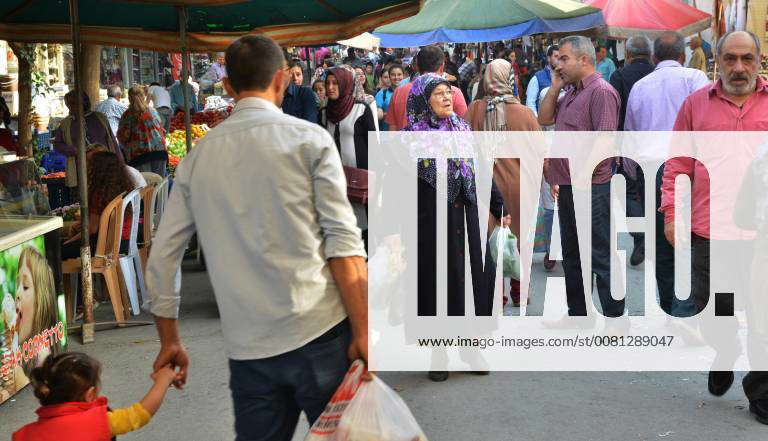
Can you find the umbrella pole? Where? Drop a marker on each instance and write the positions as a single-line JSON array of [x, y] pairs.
[[185, 73], [82, 181]]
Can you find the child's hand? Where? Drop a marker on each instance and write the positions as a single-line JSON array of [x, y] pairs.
[[165, 375]]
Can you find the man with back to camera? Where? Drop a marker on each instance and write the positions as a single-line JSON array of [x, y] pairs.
[[286, 262]]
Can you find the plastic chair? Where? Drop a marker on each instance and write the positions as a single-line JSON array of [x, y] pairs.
[[152, 178], [146, 242], [130, 263], [105, 258], [159, 198]]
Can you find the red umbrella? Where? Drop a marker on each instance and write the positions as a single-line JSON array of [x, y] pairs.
[[627, 18]]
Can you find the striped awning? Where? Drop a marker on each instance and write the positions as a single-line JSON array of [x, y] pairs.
[[291, 34]]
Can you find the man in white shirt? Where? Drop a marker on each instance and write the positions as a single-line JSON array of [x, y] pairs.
[[112, 108], [285, 256], [653, 105], [161, 100]]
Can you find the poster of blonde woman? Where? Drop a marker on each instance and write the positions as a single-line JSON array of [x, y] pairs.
[[31, 323]]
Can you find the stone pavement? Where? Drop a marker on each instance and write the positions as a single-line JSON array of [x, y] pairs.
[[500, 407]]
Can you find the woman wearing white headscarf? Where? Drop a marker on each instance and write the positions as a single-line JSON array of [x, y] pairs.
[[501, 110]]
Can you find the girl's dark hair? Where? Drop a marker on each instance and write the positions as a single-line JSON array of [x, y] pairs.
[[65, 378]]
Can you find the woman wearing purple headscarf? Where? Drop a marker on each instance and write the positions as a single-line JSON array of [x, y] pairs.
[[430, 108]]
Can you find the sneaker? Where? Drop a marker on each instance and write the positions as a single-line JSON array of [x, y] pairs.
[[719, 382], [638, 255], [759, 408]]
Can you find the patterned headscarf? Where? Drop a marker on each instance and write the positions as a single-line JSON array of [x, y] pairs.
[[338, 109], [419, 112], [421, 118], [499, 78]]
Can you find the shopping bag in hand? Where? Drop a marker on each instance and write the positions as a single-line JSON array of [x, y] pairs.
[[511, 263], [373, 412]]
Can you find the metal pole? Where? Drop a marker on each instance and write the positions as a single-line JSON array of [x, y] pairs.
[[185, 72], [82, 182]]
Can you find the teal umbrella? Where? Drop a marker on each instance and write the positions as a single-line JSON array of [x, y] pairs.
[[179, 26], [461, 21], [211, 24]]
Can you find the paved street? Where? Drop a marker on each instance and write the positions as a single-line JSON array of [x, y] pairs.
[[500, 407]]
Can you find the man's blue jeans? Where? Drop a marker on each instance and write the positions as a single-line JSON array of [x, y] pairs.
[[270, 393], [601, 254]]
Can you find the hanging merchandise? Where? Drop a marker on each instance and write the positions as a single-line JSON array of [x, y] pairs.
[[111, 67], [741, 15]]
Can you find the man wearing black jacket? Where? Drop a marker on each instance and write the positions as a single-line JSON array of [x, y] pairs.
[[637, 65]]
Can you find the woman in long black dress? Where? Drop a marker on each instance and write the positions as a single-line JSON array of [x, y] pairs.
[[429, 108]]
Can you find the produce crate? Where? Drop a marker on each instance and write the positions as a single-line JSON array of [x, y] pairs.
[[54, 162]]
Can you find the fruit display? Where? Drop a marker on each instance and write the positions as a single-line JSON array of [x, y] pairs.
[[173, 162], [176, 141], [57, 175], [211, 118]]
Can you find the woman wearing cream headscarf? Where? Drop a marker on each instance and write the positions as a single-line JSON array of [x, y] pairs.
[[500, 110]]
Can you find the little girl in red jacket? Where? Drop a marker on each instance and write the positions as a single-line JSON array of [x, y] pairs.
[[67, 386]]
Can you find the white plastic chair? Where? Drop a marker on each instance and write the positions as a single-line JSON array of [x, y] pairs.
[[152, 178], [130, 264], [159, 198]]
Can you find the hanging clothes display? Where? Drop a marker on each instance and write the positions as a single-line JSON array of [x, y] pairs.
[[757, 15]]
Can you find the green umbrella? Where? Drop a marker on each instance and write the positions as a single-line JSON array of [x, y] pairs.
[[461, 21], [179, 26], [211, 24]]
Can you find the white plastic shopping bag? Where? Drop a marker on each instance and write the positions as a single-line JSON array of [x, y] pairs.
[[511, 265], [365, 411]]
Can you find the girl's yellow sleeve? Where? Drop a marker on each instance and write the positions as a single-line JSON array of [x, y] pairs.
[[127, 419]]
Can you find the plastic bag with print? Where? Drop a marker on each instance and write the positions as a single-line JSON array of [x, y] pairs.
[[365, 411]]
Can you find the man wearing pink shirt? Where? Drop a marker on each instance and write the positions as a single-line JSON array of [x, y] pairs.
[[737, 102]]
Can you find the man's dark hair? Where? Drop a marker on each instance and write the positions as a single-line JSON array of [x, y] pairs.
[[669, 46], [252, 62], [429, 59], [295, 62], [395, 66], [154, 83], [71, 97], [552, 49]]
